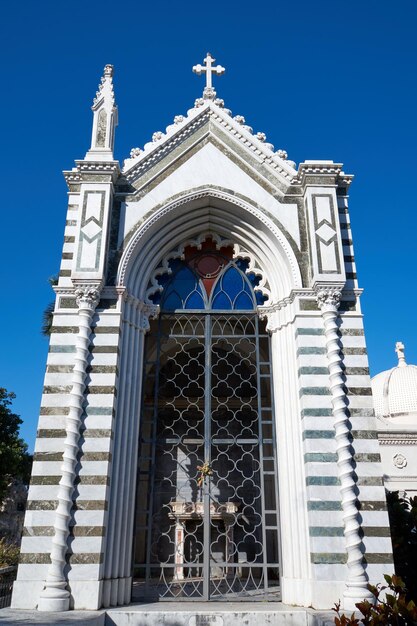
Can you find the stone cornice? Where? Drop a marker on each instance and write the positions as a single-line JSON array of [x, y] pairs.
[[84, 170], [398, 438], [183, 127], [331, 172], [304, 293]]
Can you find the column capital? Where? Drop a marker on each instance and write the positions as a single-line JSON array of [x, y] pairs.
[[328, 298], [87, 296]]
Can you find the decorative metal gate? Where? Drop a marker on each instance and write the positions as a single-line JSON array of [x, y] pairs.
[[207, 503]]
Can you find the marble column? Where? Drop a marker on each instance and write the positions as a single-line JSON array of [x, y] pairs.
[[356, 590], [56, 596]]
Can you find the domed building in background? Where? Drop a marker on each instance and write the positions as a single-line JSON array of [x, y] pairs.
[[395, 401]]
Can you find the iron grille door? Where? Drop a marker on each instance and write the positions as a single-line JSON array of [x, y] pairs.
[[207, 505]]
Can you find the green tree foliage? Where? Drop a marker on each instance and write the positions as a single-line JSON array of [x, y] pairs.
[[14, 458], [403, 522], [390, 608]]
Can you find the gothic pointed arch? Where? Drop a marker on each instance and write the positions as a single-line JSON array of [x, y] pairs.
[[251, 230]]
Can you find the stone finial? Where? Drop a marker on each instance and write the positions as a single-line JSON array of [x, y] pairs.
[[104, 119], [399, 349], [208, 68], [105, 88]]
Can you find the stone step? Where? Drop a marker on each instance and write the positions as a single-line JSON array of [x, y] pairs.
[[216, 614]]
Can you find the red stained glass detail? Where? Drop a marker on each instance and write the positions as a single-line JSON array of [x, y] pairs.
[[208, 261]]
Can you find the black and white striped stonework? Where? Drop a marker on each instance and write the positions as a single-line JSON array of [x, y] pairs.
[[327, 544], [88, 526]]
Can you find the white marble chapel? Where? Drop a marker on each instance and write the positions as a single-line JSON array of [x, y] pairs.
[[207, 428]]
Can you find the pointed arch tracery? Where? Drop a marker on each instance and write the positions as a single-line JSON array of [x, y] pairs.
[[204, 263], [208, 273], [255, 237]]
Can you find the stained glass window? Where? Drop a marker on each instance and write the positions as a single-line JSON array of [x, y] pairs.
[[209, 279]]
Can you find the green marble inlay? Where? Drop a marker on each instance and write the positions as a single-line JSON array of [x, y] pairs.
[[107, 303], [34, 558], [47, 456], [318, 434], [316, 413], [361, 412], [314, 391], [367, 457], [97, 433], [320, 457], [309, 331], [98, 410], [359, 391], [105, 330], [102, 369], [90, 505], [87, 479], [38, 531], [94, 456], [352, 332], [69, 239], [364, 434], [84, 559], [68, 303], [54, 410], [62, 330], [378, 557], [50, 389], [49, 433], [322, 480], [354, 351], [313, 370], [59, 369], [41, 505], [372, 505], [104, 389], [45, 480], [376, 531], [357, 371], [311, 350], [324, 505], [328, 558], [61, 348], [87, 531], [326, 531], [308, 305], [370, 481], [104, 349]]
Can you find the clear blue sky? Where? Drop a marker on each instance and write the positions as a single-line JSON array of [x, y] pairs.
[[322, 79]]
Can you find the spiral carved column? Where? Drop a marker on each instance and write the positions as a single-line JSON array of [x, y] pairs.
[[356, 584], [56, 596]]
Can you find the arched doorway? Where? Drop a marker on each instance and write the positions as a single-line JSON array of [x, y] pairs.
[[207, 503]]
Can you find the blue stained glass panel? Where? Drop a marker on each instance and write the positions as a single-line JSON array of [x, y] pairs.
[[243, 302], [195, 301], [232, 282], [172, 301], [221, 301], [183, 291]]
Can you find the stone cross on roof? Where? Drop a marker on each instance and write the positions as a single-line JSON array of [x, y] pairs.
[[209, 69], [399, 349]]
